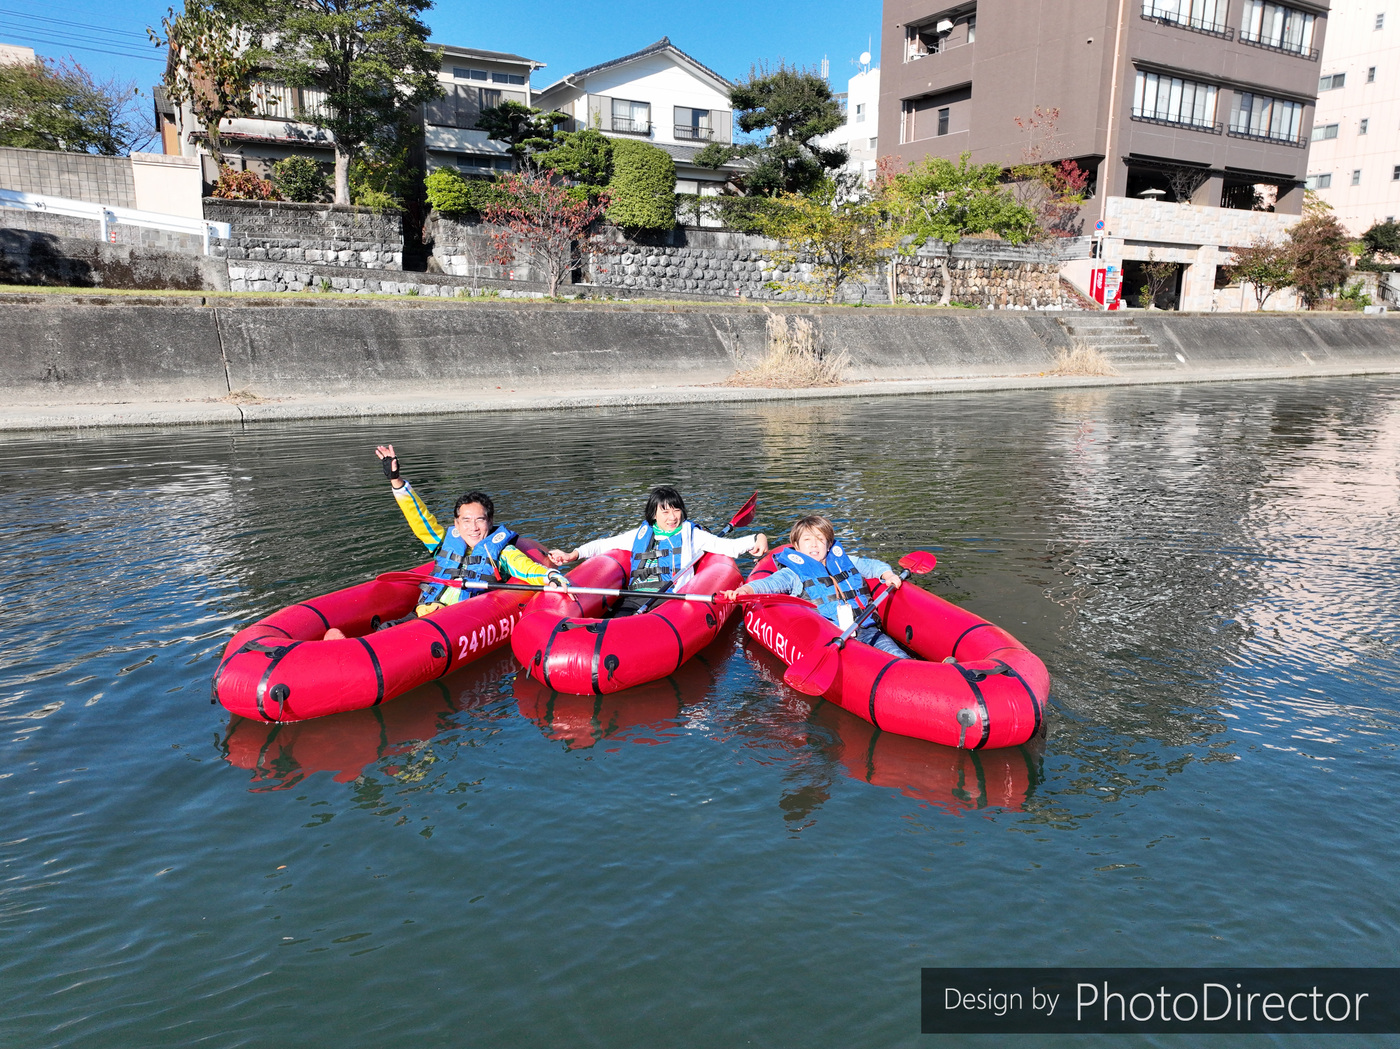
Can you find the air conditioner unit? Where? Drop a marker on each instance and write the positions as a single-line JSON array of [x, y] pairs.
[[945, 25]]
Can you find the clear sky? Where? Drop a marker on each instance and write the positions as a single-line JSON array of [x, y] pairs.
[[727, 35]]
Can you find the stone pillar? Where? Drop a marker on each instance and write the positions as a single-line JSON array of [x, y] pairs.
[[1208, 194], [1198, 282], [1290, 200]]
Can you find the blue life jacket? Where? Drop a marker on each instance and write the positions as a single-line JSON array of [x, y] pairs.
[[454, 559], [829, 584], [656, 560]]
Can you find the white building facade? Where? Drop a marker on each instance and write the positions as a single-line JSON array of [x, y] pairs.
[[858, 134], [660, 95], [1354, 160]]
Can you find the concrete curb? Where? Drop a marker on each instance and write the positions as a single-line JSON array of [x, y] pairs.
[[432, 402]]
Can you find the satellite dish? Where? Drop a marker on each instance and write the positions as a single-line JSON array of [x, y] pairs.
[[865, 58]]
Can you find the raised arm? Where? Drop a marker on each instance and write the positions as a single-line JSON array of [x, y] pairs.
[[425, 526]]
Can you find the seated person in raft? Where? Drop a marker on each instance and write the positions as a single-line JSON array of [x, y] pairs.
[[474, 548], [818, 568], [665, 548]]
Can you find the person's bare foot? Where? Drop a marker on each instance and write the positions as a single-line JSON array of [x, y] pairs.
[[333, 634]]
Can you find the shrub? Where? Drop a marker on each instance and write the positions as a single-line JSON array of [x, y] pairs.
[[243, 185], [642, 193], [451, 194], [793, 359], [301, 179], [749, 214]]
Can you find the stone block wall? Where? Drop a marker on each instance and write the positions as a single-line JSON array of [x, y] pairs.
[[461, 247], [77, 176], [266, 231], [286, 276], [990, 274]]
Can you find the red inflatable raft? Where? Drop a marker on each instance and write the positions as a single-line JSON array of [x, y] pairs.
[[564, 643], [280, 669], [999, 683]]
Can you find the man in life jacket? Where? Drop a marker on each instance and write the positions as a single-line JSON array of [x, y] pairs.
[[664, 548], [473, 548], [819, 569]]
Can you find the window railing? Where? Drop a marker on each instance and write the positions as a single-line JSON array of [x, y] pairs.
[[1277, 140], [1168, 16], [693, 133], [1311, 53], [631, 127], [1209, 129]]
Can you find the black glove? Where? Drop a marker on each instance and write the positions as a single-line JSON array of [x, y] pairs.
[[391, 467]]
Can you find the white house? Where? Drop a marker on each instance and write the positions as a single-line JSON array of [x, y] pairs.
[[660, 95], [1354, 162], [473, 80]]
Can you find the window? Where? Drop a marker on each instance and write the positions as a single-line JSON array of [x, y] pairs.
[[1273, 25], [490, 97], [1380, 20], [507, 78], [1172, 100], [1361, 128], [943, 120], [1330, 83], [874, 142], [1197, 14], [1318, 181], [1371, 75], [633, 117], [1322, 132], [1395, 175], [693, 125], [458, 73], [1356, 177], [860, 113], [1259, 116]]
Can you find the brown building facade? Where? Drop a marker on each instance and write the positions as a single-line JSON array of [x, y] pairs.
[[1206, 98]]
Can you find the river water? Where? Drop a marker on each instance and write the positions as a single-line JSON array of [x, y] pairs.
[[1209, 572]]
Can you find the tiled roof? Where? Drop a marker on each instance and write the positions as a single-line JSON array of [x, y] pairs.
[[662, 45], [490, 56]]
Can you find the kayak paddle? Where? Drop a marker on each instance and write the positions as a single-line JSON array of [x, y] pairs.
[[477, 584], [814, 673]]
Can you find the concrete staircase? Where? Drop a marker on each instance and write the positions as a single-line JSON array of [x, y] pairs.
[[1126, 346]]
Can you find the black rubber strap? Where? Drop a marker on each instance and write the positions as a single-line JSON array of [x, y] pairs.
[[261, 695], [378, 672]]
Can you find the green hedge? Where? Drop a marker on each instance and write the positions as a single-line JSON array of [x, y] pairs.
[[453, 195], [643, 188]]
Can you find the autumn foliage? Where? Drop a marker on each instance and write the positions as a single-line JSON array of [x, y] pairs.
[[539, 220]]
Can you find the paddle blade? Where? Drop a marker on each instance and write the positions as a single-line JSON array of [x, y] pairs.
[[815, 672], [745, 512], [918, 561]]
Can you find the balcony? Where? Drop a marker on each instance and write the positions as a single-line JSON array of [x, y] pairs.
[[692, 133], [1166, 16], [1208, 129], [1274, 140], [1310, 53], [627, 126]]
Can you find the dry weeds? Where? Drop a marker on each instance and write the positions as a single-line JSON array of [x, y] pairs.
[[793, 360], [1082, 359]]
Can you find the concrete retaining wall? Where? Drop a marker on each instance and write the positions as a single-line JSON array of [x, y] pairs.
[[65, 353], [33, 257], [266, 231], [91, 229]]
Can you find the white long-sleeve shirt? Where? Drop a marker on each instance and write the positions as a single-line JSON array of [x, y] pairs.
[[701, 543]]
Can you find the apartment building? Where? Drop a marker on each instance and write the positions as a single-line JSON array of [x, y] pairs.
[[660, 95], [1203, 107], [1354, 163], [859, 135]]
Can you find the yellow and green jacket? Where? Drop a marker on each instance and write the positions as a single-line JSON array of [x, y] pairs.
[[513, 561]]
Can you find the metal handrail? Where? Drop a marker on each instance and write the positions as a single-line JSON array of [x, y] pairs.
[[1209, 129], [1311, 54], [630, 126], [1235, 132], [691, 131], [107, 216], [1163, 16]]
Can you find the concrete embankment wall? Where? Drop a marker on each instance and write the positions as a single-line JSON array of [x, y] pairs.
[[84, 350]]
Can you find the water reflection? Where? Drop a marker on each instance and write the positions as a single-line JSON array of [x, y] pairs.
[[393, 739]]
